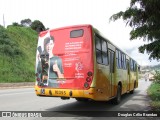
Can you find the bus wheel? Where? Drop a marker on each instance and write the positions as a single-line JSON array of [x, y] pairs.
[[81, 99], [117, 99], [132, 91]]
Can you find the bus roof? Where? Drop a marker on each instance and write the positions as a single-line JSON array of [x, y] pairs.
[[86, 25], [61, 28]]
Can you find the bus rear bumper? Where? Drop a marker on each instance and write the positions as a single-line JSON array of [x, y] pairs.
[[65, 93]]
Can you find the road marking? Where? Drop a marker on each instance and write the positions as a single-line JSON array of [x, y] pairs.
[[15, 93]]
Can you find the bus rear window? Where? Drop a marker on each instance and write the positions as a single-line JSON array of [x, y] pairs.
[[76, 33]]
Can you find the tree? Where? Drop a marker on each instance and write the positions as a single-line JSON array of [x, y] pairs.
[[144, 18], [15, 24], [7, 45], [38, 26], [157, 76], [26, 22]]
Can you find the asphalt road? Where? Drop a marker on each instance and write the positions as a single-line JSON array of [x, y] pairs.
[[24, 99]]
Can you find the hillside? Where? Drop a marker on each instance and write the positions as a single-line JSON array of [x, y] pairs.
[[17, 54], [150, 68]]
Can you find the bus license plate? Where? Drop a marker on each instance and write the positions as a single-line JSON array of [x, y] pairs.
[[59, 92]]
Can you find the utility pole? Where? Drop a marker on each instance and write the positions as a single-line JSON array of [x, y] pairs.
[[3, 21]]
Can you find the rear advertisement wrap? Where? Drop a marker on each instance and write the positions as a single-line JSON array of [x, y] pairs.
[[64, 58]]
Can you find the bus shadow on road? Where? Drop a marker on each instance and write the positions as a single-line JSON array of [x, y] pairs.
[[97, 109]]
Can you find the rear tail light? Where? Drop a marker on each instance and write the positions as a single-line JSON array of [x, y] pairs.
[[88, 79], [86, 85], [89, 73], [38, 79]]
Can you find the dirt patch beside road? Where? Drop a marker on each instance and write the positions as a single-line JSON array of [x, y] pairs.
[[16, 85]]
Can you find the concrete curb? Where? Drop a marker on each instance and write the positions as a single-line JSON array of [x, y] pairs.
[[16, 85]]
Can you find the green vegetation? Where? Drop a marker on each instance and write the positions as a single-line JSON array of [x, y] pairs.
[[35, 25], [157, 77], [143, 17], [154, 93], [17, 54], [38, 26]]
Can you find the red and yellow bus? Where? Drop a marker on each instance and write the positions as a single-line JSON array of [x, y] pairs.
[[78, 62]]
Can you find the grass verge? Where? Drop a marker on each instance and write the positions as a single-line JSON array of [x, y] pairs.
[[154, 93]]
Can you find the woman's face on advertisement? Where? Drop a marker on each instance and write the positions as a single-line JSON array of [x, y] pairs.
[[49, 46]]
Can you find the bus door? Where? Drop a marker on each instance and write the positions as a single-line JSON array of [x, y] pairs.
[[128, 77], [111, 67]]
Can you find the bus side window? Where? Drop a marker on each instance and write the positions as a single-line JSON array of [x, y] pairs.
[[98, 43], [135, 66], [131, 64], [98, 56], [104, 53], [101, 50], [117, 59], [125, 62], [122, 60], [98, 50]]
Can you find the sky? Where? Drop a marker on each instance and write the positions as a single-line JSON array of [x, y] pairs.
[[60, 13]]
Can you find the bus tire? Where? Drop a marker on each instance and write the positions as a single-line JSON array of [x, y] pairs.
[[132, 91], [117, 99]]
